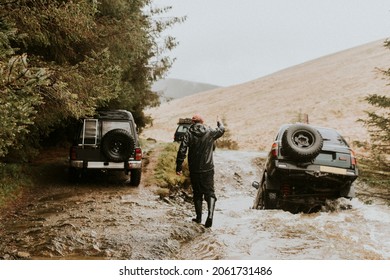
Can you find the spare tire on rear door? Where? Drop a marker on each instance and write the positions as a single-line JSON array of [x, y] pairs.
[[117, 145], [301, 142]]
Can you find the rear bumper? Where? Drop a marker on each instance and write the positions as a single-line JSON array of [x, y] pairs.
[[80, 164], [311, 183], [314, 172]]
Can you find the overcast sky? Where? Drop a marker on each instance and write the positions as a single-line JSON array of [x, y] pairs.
[[227, 42]]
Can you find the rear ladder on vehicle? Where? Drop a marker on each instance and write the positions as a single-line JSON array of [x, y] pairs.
[[90, 132]]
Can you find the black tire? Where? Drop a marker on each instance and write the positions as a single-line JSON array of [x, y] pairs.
[[269, 203], [73, 175], [118, 145], [263, 200], [302, 142], [135, 177], [259, 199]]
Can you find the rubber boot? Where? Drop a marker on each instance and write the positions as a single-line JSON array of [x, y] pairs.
[[211, 205], [198, 211]]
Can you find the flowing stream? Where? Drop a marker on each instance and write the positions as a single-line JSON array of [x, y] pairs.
[[343, 230]]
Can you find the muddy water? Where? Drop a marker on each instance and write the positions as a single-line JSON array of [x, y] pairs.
[[342, 230], [104, 218]]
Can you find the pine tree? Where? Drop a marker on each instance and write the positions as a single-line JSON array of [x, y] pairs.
[[61, 60], [378, 123]]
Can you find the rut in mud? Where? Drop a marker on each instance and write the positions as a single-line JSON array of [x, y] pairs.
[[104, 218]]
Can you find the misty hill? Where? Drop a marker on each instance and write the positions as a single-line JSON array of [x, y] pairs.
[[330, 89], [175, 88]]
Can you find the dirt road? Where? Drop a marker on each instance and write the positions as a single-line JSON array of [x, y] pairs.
[[103, 218]]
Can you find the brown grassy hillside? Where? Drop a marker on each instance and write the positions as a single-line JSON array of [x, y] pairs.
[[330, 90]]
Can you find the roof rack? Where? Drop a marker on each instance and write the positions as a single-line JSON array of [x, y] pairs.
[[185, 120], [115, 114]]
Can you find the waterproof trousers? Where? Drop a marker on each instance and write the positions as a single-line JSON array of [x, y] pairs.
[[203, 188]]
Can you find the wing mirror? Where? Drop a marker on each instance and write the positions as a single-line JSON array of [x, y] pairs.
[[256, 185]]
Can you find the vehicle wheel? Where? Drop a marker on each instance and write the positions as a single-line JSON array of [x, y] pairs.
[[73, 175], [347, 191], [118, 145], [270, 203], [263, 199], [302, 142], [135, 177], [259, 200]]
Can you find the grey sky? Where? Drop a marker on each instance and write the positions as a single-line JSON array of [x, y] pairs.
[[227, 42]]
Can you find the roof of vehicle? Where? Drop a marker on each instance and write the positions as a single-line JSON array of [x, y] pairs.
[[115, 115]]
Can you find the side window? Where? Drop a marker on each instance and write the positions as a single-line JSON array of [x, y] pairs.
[[279, 135]]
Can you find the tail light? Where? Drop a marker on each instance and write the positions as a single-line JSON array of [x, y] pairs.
[[73, 154], [353, 158], [138, 154], [274, 149], [286, 190]]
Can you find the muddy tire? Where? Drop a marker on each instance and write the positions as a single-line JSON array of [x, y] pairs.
[[117, 145], [270, 203], [267, 201], [302, 142], [259, 199], [73, 175], [263, 199], [135, 177]]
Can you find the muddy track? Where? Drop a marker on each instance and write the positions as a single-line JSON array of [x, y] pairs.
[[101, 217]]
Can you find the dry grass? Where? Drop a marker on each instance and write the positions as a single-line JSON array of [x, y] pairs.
[[330, 90]]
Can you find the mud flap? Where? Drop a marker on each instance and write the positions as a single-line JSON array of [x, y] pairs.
[[347, 190]]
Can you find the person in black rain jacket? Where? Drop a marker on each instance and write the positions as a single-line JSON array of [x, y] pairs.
[[199, 141]]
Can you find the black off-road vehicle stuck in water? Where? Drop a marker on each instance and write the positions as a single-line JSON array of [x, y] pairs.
[[306, 166], [107, 141]]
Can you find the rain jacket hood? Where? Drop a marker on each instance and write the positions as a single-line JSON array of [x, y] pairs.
[[198, 129]]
